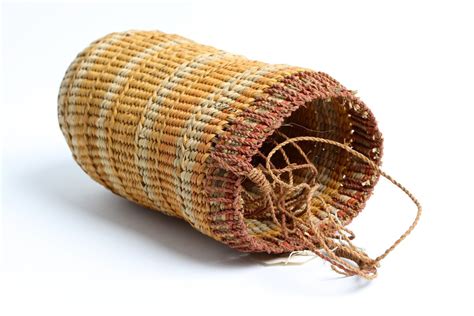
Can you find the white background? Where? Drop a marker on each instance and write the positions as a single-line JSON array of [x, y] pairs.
[[70, 247]]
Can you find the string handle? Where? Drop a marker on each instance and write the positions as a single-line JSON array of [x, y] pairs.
[[334, 252]]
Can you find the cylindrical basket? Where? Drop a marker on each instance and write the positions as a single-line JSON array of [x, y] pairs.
[[182, 128]]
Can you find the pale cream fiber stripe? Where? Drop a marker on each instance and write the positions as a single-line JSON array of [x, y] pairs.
[[107, 103], [85, 65], [227, 94], [142, 137], [188, 135], [167, 85], [231, 90]]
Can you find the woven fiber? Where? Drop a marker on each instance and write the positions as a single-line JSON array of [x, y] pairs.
[[180, 127]]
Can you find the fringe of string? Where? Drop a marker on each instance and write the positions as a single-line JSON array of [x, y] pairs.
[[289, 196]]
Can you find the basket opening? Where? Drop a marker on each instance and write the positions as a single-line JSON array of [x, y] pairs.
[[341, 182]]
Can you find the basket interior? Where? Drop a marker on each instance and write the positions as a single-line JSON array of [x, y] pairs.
[[331, 119]]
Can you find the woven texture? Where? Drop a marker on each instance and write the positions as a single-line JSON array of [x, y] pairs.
[[175, 126]]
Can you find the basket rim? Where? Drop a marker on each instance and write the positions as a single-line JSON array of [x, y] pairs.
[[234, 149]]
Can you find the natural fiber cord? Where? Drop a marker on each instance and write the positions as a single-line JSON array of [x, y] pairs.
[[264, 158]]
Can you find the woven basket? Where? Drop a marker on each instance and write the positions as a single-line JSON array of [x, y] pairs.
[[178, 127]]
